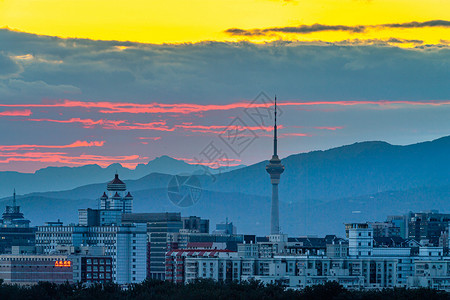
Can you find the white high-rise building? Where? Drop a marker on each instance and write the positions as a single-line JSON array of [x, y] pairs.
[[360, 239], [125, 244]]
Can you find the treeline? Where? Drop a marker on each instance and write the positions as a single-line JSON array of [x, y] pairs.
[[207, 289]]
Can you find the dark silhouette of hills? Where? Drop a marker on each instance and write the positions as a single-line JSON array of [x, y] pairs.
[[358, 169], [64, 178], [251, 213], [319, 191]]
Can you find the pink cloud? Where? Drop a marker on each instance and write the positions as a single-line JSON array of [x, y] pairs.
[[112, 124], [76, 144], [217, 129], [157, 126], [187, 108], [16, 113], [62, 158], [153, 138]]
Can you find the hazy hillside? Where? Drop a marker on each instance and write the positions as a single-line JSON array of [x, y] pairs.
[[64, 178], [348, 171], [251, 213], [359, 182]]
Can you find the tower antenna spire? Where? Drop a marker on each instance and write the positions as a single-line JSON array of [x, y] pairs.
[[14, 198], [275, 141]]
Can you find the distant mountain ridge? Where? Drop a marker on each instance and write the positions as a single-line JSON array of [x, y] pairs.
[[250, 213], [349, 171], [319, 190], [63, 178]]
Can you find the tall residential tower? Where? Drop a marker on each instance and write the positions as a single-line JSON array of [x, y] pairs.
[[275, 168]]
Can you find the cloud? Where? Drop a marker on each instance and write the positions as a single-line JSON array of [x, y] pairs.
[[16, 113], [111, 124], [301, 29], [153, 138], [295, 134], [76, 144], [7, 66], [116, 92], [433, 23], [156, 126], [67, 159], [218, 129], [96, 71], [329, 128], [180, 108], [306, 29]]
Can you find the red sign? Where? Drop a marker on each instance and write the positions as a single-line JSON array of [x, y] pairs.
[[63, 263]]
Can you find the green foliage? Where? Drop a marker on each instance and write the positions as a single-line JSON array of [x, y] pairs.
[[206, 289]]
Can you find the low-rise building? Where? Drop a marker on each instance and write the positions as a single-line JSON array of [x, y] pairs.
[[31, 269]]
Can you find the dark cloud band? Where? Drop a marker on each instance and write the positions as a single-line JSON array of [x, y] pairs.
[[305, 29]]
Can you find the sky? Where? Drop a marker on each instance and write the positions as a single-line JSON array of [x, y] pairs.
[[102, 82]]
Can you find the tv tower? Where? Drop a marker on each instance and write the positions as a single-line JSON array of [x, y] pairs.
[[275, 168]]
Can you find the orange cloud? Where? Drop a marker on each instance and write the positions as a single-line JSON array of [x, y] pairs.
[[295, 134], [329, 128], [157, 125], [66, 159], [76, 144], [154, 138], [217, 129], [111, 124], [16, 113], [186, 108]]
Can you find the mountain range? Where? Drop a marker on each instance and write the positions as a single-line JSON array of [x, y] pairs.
[[63, 178], [319, 190]]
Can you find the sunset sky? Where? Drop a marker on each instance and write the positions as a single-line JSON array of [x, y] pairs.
[[85, 82]]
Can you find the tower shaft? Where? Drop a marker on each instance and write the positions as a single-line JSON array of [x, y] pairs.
[[274, 212]]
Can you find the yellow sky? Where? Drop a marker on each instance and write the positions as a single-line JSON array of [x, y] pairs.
[[175, 21]]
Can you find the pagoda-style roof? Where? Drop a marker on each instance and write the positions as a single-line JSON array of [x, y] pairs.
[[116, 184]]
